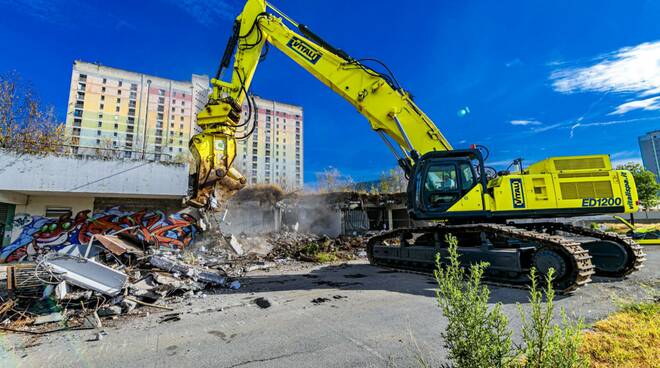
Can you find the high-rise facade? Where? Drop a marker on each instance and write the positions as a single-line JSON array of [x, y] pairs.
[[119, 113], [273, 153], [649, 145]]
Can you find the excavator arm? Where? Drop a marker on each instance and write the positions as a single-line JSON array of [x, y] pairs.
[[389, 109]]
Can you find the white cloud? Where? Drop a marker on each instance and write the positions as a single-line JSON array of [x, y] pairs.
[[649, 104], [611, 122], [624, 161], [525, 122], [631, 69]]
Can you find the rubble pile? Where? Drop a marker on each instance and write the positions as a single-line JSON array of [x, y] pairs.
[[307, 247], [113, 275]]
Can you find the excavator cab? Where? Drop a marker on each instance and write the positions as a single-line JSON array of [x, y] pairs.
[[442, 179]]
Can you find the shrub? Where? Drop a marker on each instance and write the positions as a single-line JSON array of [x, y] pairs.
[[548, 345], [476, 336]]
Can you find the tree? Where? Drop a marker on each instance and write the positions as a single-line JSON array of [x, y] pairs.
[[107, 149], [332, 180], [394, 181], [25, 125], [647, 187]]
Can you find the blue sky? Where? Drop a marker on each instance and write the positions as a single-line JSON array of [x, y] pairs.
[[540, 78]]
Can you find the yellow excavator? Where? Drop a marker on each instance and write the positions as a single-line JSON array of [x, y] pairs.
[[504, 218]]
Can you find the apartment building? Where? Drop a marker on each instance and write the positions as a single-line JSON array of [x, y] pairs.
[[273, 153], [649, 145], [124, 114]]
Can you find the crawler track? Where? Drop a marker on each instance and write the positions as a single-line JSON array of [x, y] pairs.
[[577, 260], [636, 256]]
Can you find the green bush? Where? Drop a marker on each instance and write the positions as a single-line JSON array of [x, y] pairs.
[[548, 345], [476, 336]]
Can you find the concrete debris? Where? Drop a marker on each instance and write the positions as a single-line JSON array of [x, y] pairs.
[[61, 290], [113, 310], [235, 245], [118, 246], [49, 318]]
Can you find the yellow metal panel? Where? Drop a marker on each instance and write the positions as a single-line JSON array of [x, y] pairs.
[[471, 201]]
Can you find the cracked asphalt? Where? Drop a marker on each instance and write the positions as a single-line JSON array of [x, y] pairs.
[[351, 315]]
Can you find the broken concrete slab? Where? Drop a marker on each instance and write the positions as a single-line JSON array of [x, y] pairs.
[[235, 245], [49, 318], [87, 273]]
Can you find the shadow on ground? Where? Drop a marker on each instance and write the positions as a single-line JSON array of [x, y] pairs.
[[353, 276]]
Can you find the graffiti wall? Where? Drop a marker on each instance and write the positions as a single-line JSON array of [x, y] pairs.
[[33, 233]]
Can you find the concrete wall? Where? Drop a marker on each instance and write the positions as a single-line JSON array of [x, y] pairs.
[[37, 204], [29, 174]]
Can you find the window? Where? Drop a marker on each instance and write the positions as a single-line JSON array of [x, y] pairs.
[[100, 115], [440, 185], [160, 116], [81, 95], [119, 92], [83, 77], [182, 118], [103, 89], [102, 98], [115, 134], [77, 113], [98, 141], [118, 100], [180, 126], [133, 95], [105, 80], [98, 132], [468, 177], [161, 92], [120, 83], [173, 109], [133, 87], [116, 125], [100, 124], [81, 86], [180, 149], [183, 103], [161, 100], [180, 142], [116, 108], [182, 111]]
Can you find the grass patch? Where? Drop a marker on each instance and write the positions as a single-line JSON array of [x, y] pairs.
[[627, 338], [326, 257]]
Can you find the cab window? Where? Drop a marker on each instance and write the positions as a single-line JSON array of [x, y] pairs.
[[468, 177], [441, 178]]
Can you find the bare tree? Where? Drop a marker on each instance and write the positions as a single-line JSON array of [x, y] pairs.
[[394, 181], [108, 150], [332, 180], [25, 125]]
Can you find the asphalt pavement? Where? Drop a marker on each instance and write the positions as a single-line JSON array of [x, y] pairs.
[[349, 315]]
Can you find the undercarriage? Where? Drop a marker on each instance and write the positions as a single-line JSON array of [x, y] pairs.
[[575, 253]]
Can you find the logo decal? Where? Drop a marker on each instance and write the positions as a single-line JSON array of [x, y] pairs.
[[517, 193], [304, 49], [628, 190]]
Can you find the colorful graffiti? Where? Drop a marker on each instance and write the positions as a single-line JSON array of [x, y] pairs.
[[33, 233]]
